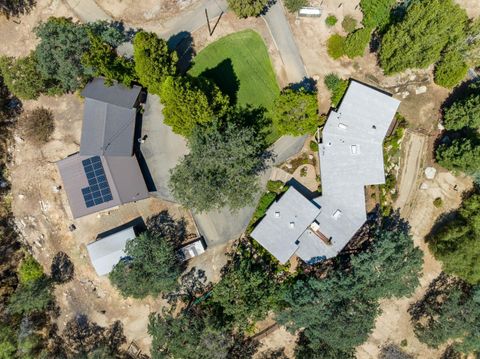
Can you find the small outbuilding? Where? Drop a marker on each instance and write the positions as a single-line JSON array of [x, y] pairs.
[[106, 252]]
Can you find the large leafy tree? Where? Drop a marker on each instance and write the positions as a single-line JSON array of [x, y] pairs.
[[295, 112], [103, 60], [248, 290], [346, 302], [22, 77], [153, 60], [222, 166], [152, 267], [457, 242], [463, 113], [189, 101], [31, 297], [246, 8], [419, 39], [449, 313], [462, 154]]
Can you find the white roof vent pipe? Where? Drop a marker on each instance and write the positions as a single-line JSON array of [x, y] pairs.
[[292, 224], [277, 214], [342, 126]]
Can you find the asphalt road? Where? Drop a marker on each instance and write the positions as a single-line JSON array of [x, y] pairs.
[[285, 42]]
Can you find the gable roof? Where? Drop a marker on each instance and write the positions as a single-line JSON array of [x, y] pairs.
[[351, 157], [123, 175], [109, 119], [106, 252]]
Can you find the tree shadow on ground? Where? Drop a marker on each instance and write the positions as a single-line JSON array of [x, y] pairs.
[[182, 43], [224, 76], [16, 8], [307, 83]]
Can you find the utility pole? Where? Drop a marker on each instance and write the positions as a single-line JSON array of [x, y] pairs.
[[208, 22]]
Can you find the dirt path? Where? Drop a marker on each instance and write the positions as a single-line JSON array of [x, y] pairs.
[[414, 146]]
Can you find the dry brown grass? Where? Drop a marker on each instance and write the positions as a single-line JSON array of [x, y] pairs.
[[37, 125]]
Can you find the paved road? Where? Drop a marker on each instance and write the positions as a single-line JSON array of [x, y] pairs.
[[87, 10], [285, 42]]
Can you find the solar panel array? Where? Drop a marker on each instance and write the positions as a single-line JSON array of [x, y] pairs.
[[98, 190]]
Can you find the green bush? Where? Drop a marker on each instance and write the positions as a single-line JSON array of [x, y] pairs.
[[463, 113], [336, 46], [246, 8], [450, 70], [295, 5], [356, 42], [314, 146], [30, 270], [437, 202], [331, 20], [376, 13], [349, 24], [275, 186], [21, 76], [461, 155], [337, 88]]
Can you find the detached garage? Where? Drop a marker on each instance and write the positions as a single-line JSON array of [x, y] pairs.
[[107, 251]]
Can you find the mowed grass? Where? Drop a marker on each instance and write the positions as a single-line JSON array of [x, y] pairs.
[[240, 66]]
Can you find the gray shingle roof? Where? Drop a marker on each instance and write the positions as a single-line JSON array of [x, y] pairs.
[[109, 119], [106, 252], [351, 157]]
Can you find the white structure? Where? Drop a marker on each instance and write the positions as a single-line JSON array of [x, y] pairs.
[[351, 157], [192, 250], [107, 251], [310, 11]]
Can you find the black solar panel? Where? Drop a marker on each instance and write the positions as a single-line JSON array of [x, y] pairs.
[[98, 190]]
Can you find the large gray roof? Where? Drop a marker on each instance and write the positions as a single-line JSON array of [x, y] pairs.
[[108, 120], [123, 175], [106, 252], [351, 157]]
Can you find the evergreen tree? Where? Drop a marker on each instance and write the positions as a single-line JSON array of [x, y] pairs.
[[463, 113], [356, 42], [22, 77], [419, 39], [450, 70], [461, 154], [153, 60], [376, 13], [247, 8]]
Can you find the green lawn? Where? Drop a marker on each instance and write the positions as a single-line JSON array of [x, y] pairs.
[[240, 66]]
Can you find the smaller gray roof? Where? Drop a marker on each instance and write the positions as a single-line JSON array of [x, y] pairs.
[[106, 252], [284, 223], [117, 94], [107, 129]]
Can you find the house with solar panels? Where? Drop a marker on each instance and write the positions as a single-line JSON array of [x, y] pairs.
[[105, 173], [351, 157]]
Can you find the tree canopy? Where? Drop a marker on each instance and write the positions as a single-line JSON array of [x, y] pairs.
[[223, 163], [295, 112], [419, 39], [451, 69], [463, 113], [190, 101], [376, 13], [356, 42], [461, 154], [346, 302], [152, 267], [457, 243], [247, 8], [449, 313], [153, 60], [22, 77]]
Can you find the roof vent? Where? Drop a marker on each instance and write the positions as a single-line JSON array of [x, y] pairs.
[[337, 214], [277, 214], [354, 149], [374, 127], [342, 126], [292, 224]]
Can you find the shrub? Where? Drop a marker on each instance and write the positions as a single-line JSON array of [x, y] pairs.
[[314, 146], [246, 8], [450, 70], [356, 42], [38, 126], [295, 5], [463, 113], [331, 20], [460, 155], [336, 46], [275, 186], [437, 202], [376, 13], [337, 88], [30, 270], [21, 76], [349, 24]]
